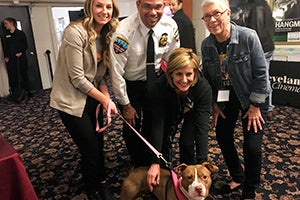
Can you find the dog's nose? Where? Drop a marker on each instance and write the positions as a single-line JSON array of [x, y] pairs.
[[198, 188]]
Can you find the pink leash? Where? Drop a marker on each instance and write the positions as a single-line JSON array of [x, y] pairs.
[[174, 176], [108, 115], [157, 153]]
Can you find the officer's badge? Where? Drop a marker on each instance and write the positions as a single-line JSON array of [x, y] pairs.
[[120, 45], [163, 40]]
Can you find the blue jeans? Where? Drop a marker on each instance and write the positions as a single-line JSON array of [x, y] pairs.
[[268, 56]]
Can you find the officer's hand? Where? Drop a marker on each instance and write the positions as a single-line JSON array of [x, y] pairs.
[[129, 113]]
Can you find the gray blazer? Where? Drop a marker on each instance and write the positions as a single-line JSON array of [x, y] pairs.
[[76, 71]]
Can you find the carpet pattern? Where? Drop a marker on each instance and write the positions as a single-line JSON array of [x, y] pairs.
[[52, 160]]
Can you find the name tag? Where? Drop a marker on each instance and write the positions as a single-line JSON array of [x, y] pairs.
[[223, 95]]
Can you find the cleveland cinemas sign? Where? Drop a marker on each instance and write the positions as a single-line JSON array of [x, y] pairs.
[[285, 83]]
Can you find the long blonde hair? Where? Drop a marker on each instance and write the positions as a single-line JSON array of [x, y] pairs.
[[106, 32]]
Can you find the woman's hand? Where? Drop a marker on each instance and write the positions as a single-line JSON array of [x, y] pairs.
[[255, 118], [153, 176], [215, 114], [113, 107]]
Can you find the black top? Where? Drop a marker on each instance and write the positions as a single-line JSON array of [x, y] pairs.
[[168, 109], [13, 43], [186, 30]]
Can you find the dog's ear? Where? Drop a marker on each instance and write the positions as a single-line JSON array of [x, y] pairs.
[[178, 169], [210, 167]]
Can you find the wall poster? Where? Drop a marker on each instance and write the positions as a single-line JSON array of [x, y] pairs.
[[287, 21]]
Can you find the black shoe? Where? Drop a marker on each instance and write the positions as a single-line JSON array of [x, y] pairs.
[[248, 194], [269, 115], [105, 192], [29, 94], [94, 196], [225, 189]]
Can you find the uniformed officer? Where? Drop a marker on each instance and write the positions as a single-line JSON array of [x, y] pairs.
[[128, 74]]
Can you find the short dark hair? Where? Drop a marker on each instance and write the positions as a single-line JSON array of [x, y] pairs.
[[12, 20]]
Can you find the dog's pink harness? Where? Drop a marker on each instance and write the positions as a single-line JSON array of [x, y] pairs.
[[175, 180], [177, 185]]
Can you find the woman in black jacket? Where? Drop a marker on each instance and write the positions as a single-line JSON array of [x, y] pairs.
[[14, 47], [181, 94]]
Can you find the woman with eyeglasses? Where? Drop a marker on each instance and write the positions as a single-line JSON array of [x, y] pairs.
[[234, 64]]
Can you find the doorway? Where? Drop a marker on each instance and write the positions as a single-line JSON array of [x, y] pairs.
[[21, 14]]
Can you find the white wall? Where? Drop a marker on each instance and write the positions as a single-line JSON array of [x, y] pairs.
[[3, 79], [44, 36], [126, 7], [198, 24]]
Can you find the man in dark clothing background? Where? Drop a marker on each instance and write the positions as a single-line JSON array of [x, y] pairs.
[[257, 15], [185, 25]]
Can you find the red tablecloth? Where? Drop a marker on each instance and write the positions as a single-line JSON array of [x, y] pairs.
[[14, 181]]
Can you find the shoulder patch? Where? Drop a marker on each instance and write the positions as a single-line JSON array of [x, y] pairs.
[[120, 45], [176, 35]]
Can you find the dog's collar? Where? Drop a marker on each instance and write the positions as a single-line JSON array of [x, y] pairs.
[[183, 191], [180, 192]]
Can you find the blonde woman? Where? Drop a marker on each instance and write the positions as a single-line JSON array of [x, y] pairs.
[[79, 85], [182, 93]]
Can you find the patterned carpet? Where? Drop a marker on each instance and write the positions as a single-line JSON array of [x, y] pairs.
[[52, 160]]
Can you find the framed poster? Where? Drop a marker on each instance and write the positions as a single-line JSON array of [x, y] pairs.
[[287, 21]]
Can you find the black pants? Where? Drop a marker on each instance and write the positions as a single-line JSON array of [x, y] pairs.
[[193, 146], [13, 75], [251, 145], [90, 144], [137, 149]]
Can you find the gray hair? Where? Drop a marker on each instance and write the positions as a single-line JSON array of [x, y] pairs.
[[224, 4]]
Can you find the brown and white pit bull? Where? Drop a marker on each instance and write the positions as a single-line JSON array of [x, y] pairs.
[[194, 182]]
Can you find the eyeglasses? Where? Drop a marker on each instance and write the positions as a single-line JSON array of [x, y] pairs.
[[217, 15], [148, 7]]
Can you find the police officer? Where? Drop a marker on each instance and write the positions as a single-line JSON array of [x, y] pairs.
[[128, 74]]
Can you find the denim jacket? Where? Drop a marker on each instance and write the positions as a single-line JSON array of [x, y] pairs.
[[246, 66]]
